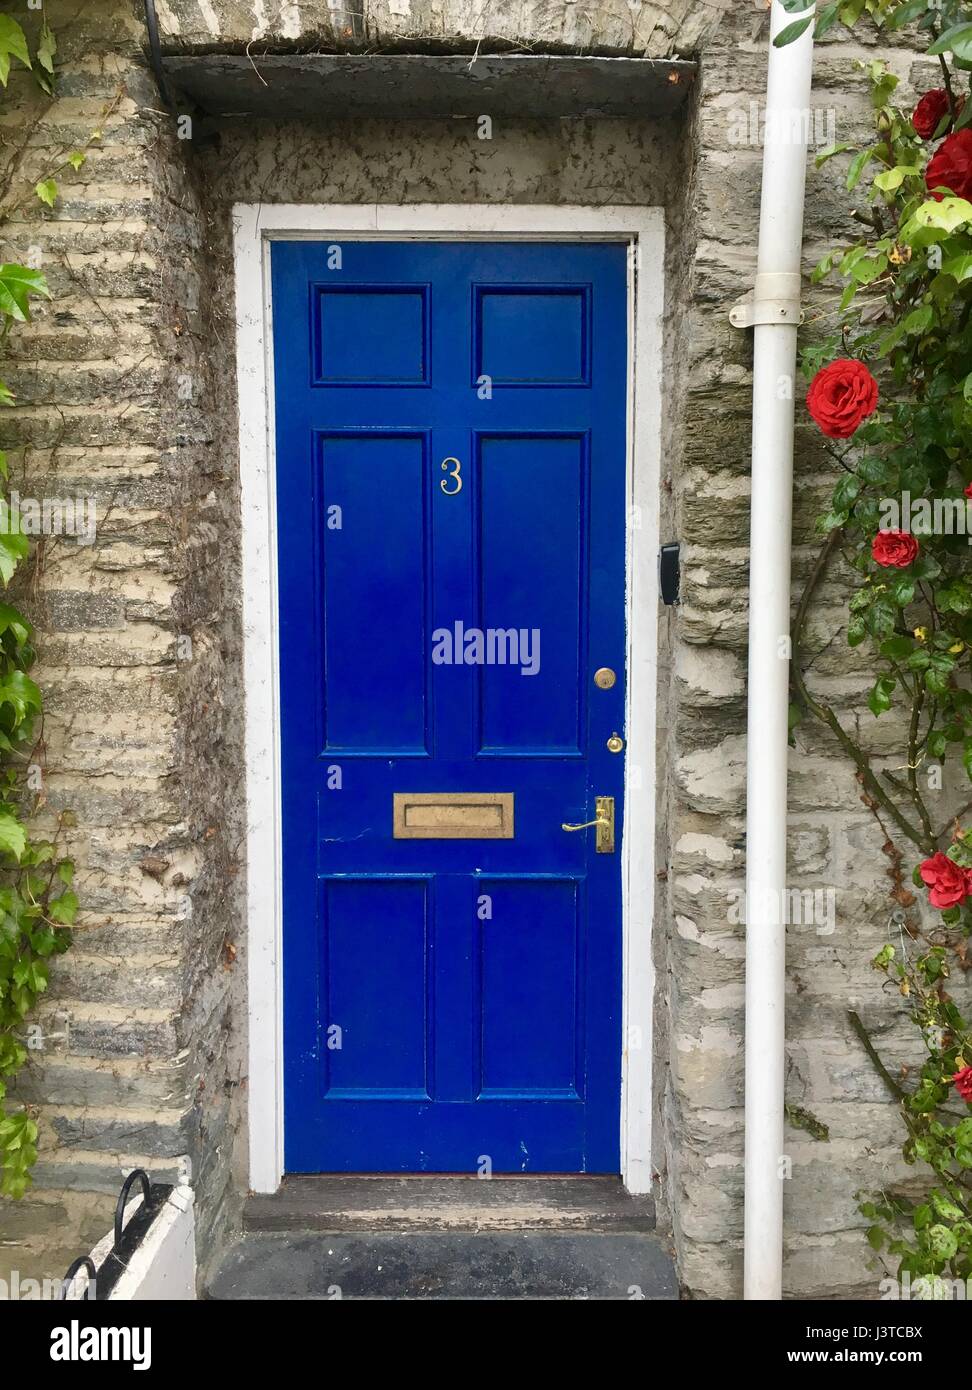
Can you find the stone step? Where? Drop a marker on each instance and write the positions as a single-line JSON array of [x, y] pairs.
[[351, 1203], [443, 1265]]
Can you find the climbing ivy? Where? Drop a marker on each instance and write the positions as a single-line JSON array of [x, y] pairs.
[[37, 901]]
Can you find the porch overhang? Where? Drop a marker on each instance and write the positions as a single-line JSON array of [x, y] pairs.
[[312, 86]]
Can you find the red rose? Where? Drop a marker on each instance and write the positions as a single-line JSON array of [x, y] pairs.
[[841, 395], [897, 548], [928, 113], [946, 880], [962, 1080], [951, 165], [968, 490]]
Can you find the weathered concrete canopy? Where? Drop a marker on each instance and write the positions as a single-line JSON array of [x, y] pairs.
[[619, 28], [309, 86]]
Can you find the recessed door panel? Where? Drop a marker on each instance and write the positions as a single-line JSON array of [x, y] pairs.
[[531, 954], [374, 590], [532, 573], [376, 1022]]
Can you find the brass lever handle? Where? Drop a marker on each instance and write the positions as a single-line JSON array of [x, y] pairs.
[[604, 820]]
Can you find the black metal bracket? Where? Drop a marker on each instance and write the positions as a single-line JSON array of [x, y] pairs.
[[86, 1263], [669, 572], [126, 1238]]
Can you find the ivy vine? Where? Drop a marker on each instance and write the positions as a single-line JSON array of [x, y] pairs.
[[37, 901]]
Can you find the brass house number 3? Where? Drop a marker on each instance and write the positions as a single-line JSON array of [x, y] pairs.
[[455, 475]]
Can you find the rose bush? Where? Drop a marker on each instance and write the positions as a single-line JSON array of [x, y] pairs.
[[904, 318]]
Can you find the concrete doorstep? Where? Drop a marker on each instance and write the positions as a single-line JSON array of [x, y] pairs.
[[447, 1238]]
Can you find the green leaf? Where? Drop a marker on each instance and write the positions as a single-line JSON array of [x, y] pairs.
[[967, 757], [902, 590], [850, 12], [947, 1210], [856, 168], [919, 320], [76, 159], [830, 521], [957, 40], [46, 48], [829, 153], [64, 909], [941, 1242], [14, 546], [792, 31], [19, 691], [945, 215], [846, 492], [896, 648], [13, 44], [937, 745], [848, 295], [46, 190], [13, 621], [912, 10], [875, 1237], [827, 18], [13, 837], [959, 267], [879, 700], [884, 85], [17, 284], [856, 631], [890, 179], [868, 269]]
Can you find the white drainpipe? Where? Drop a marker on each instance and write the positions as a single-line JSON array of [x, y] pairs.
[[775, 313]]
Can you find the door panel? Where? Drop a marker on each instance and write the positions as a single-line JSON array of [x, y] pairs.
[[378, 477], [450, 422], [533, 564]]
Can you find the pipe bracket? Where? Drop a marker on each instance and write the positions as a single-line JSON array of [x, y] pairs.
[[775, 299]]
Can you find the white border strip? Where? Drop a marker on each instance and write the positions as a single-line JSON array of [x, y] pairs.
[[254, 226]]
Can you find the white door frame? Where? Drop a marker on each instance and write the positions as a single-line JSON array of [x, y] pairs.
[[255, 225]]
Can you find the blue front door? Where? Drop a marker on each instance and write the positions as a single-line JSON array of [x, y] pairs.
[[450, 429]]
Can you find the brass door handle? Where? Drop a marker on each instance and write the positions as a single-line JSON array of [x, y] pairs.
[[604, 820]]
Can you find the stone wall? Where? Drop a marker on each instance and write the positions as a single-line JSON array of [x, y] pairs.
[[127, 389], [134, 633]]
